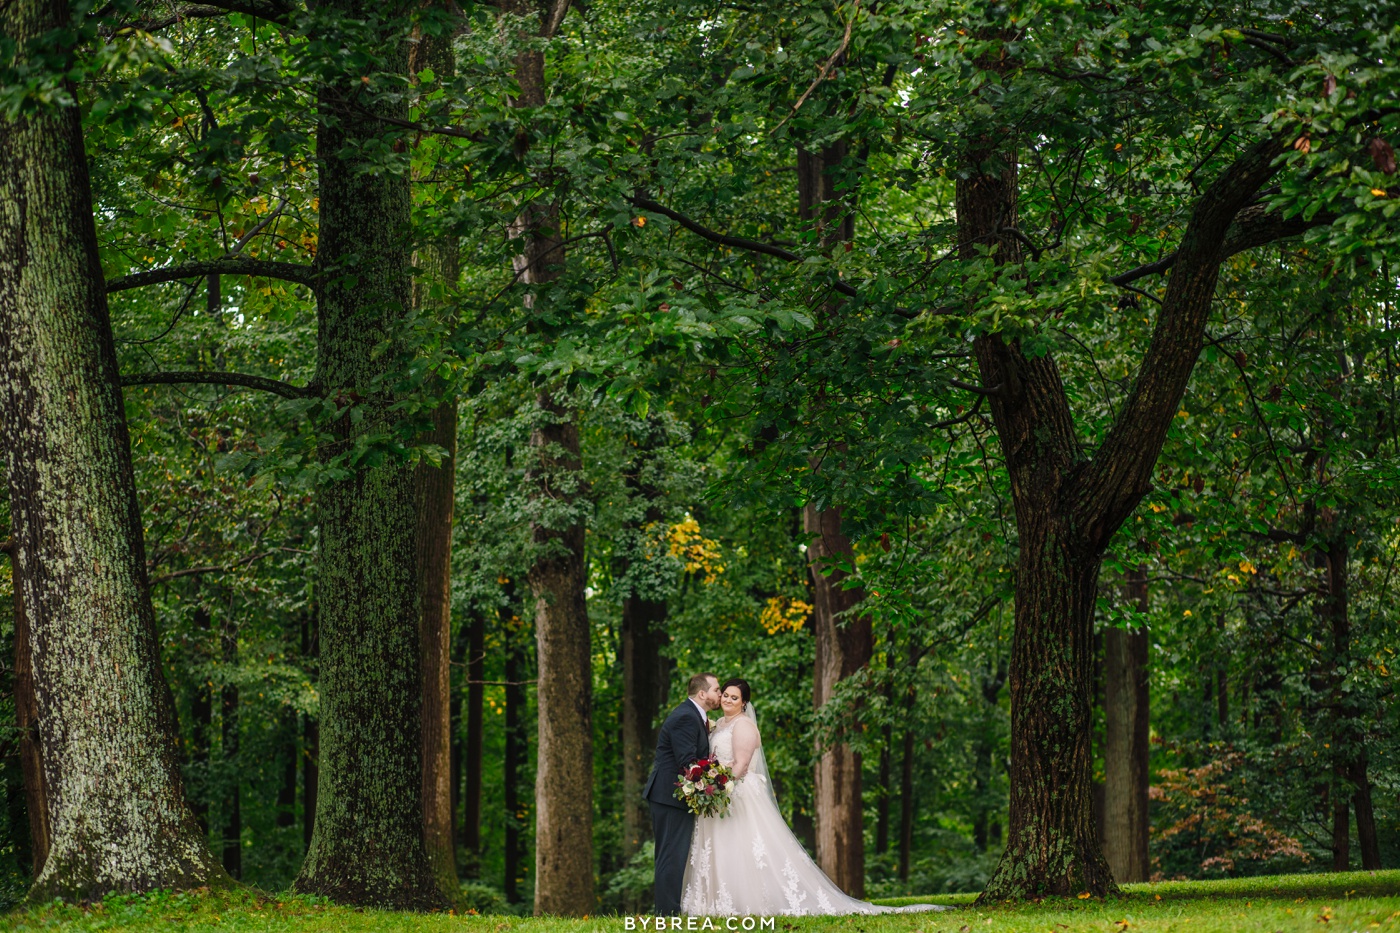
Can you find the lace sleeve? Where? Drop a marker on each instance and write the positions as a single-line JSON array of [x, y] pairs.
[[745, 744]]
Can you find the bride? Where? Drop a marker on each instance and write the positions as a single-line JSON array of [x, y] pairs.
[[749, 862]]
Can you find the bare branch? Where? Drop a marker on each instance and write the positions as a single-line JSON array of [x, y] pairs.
[[242, 380], [196, 571], [980, 390], [826, 69], [7, 546], [752, 246], [259, 268]]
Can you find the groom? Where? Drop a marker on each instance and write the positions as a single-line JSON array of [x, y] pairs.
[[684, 737]]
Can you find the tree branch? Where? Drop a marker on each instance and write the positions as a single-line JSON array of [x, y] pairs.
[[273, 10], [195, 571], [736, 242], [980, 390], [7, 546], [1254, 226], [1114, 481], [258, 268], [242, 380], [556, 19]]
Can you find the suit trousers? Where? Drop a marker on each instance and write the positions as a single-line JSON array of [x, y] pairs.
[[671, 829]]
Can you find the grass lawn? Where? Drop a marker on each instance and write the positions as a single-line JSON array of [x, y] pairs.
[[1354, 901]]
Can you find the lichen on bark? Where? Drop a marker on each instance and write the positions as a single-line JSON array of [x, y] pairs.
[[117, 809]]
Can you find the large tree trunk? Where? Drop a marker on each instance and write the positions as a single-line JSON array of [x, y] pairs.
[[439, 265], [1126, 748], [844, 639], [31, 761], [564, 695], [844, 646], [1069, 504], [435, 500], [99, 690], [367, 847]]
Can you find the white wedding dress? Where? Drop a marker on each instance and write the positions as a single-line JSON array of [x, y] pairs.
[[749, 862]]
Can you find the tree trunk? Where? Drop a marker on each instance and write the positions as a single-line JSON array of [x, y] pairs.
[[440, 267], [843, 648], [1069, 506], [515, 747], [36, 801], [1365, 815], [471, 751], [367, 847], [99, 690], [434, 552], [1346, 739], [564, 665], [1126, 746], [844, 640], [646, 674], [233, 798], [645, 678]]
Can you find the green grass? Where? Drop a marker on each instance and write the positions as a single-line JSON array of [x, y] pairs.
[[1354, 901]]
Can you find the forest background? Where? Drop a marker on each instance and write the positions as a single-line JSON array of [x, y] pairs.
[[893, 356]]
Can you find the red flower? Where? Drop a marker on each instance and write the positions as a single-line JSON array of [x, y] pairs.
[[710, 790], [723, 779], [695, 773]]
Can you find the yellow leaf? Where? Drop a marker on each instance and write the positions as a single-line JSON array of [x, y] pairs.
[[1379, 192]]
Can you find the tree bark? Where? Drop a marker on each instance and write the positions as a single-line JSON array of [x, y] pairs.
[[1126, 747], [645, 678], [844, 645], [435, 485], [646, 674], [36, 801], [564, 738], [99, 689], [1069, 505], [844, 639], [440, 267], [367, 846], [564, 695]]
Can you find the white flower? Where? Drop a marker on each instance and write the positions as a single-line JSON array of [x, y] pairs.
[[689, 788]]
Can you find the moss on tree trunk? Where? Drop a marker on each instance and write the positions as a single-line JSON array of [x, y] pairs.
[[367, 843], [116, 805]]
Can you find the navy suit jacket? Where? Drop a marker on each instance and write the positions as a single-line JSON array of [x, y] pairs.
[[684, 737]]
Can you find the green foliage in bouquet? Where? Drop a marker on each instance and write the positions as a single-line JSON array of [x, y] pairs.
[[705, 787]]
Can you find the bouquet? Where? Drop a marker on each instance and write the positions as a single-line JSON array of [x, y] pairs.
[[705, 787]]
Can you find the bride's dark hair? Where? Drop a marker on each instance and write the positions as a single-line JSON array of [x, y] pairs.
[[739, 682]]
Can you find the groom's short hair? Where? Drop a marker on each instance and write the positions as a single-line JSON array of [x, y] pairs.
[[699, 682]]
